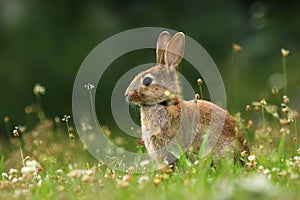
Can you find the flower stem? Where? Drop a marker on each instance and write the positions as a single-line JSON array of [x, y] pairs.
[[41, 114], [296, 133], [201, 93], [263, 117], [284, 75], [22, 157]]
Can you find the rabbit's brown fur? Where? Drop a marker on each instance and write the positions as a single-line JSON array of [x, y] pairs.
[[167, 120]]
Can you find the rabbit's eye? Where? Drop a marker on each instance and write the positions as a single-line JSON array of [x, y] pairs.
[[147, 81]]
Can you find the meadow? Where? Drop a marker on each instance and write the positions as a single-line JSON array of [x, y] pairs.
[[49, 161]]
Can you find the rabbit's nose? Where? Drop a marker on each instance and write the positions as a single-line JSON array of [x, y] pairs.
[[127, 95], [132, 96]]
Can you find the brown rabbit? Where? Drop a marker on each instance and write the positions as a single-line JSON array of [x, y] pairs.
[[170, 123]]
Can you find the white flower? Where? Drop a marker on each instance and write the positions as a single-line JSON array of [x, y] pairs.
[[294, 176], [260, 167], [258, 184], [32, 163], [143, 179], [296, 158], [89, 172], [30, 167], [14, 180], [284, 52], [89, 86], [18, 193], [59, 171], [144, 163], [251, 158], [266, 171], [39, 183], [66, 118], [275, 169], [39, 89], [26, 170], [4, 175], [37, 178], [13, 171]]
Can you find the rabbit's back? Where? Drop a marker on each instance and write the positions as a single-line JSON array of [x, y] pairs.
[[224, 134]]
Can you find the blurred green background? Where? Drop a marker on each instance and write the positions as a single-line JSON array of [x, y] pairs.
[[45, 41]]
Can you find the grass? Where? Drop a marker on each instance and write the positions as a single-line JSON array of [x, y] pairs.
[[55, 165]]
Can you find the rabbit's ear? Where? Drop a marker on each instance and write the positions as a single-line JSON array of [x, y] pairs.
[[175, 50], [161, 46]]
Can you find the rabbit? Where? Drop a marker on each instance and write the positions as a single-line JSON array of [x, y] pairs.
[[167, 120]]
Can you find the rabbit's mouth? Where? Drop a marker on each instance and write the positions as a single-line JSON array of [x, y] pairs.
[[137, 99], [142, 98]]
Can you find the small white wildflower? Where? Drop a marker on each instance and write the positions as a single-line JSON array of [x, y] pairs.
[[4, 175], [14, 180], [18, 193], [260, 167], [74, 173], [38, 89], [144, 163], [89, 172], [296, 158], [13, 171], [86, 126], [39, 183], [143, 179], [26, 170], [258, 184], [89, 86], [30, 167], [66, 118], [32, 163], [275, 169], [284, 52], [266, 171], [294, 176], [251, 158], [59, 171]]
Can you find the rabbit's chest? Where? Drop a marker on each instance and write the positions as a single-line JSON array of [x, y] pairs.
[[154, 119], [159, 126]]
